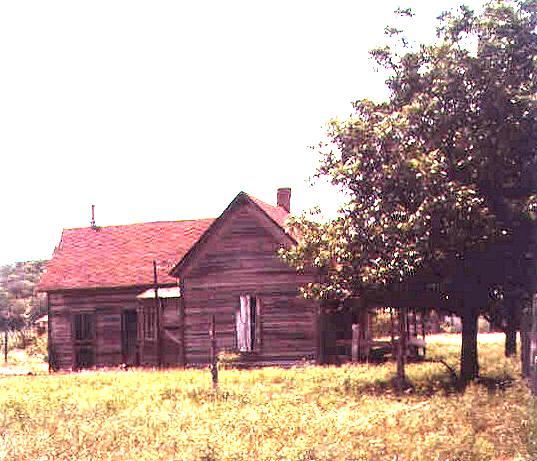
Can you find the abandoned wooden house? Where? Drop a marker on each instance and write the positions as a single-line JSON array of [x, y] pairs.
[[100, 286], [145, 294]]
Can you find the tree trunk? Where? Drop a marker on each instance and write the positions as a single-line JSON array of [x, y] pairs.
[[525, 352], [469, 362], [510, 342], [511, 329], [401, 350], [527, 338]]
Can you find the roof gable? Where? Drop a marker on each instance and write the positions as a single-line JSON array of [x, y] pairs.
[[275, 215], [117, 256]]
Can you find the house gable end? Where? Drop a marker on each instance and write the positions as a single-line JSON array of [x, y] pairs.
[[265, 226]]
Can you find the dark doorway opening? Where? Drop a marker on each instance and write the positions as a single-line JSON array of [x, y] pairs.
[[129, 333]]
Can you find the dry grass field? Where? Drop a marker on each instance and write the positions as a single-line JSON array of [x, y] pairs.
[[311, 413]]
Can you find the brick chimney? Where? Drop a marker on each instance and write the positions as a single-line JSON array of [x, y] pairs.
[[284, 198]]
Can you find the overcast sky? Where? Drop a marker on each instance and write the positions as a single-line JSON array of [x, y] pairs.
[[166, 110]]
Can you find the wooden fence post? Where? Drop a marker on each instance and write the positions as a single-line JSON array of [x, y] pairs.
[[214, 357], [525, 340], [423, 320], [5, 344], [321, 332], [355, 345], [392, 333]]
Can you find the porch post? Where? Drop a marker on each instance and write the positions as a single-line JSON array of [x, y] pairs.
[[320, 333]]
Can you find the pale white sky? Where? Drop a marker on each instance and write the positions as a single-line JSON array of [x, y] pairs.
[[166, 110]]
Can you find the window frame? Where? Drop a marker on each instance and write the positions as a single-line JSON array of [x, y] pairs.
[[252, 324], [84, 323], [149, 323]]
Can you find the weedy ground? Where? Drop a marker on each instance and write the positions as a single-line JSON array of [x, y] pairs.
[[309, 413]]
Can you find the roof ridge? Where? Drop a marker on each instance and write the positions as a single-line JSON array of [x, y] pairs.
[[278, 207], [141, 223]]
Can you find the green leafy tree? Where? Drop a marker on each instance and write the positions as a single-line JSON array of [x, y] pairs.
[[440, 177], [4, 307], [12, 312], [11, 316], [19, 282]]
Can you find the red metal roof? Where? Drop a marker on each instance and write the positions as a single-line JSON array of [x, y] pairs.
[[118, 256]]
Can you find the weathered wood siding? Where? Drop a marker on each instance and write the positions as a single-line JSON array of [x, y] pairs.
[[241, 259], [60, 347], [171, 336], [107, 305]]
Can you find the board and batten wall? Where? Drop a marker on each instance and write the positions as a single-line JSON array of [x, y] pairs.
[[241, 259]]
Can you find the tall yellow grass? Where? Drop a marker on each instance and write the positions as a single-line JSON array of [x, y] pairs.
[[312, 413]]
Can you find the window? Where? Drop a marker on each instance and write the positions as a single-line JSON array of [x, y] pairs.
[[247, 323], [84, 325], [149, 322]]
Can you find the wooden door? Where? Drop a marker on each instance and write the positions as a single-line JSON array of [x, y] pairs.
[[129, 333], [83, 333]]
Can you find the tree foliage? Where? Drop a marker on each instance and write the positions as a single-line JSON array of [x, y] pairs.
[[20, 304], [441, 176]]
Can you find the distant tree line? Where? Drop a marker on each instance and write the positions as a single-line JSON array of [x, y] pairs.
[[20, 304]]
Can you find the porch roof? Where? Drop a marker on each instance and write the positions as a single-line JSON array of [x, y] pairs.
[[163, 293]]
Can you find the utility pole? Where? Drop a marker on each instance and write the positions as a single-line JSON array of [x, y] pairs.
[[157, 314]]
